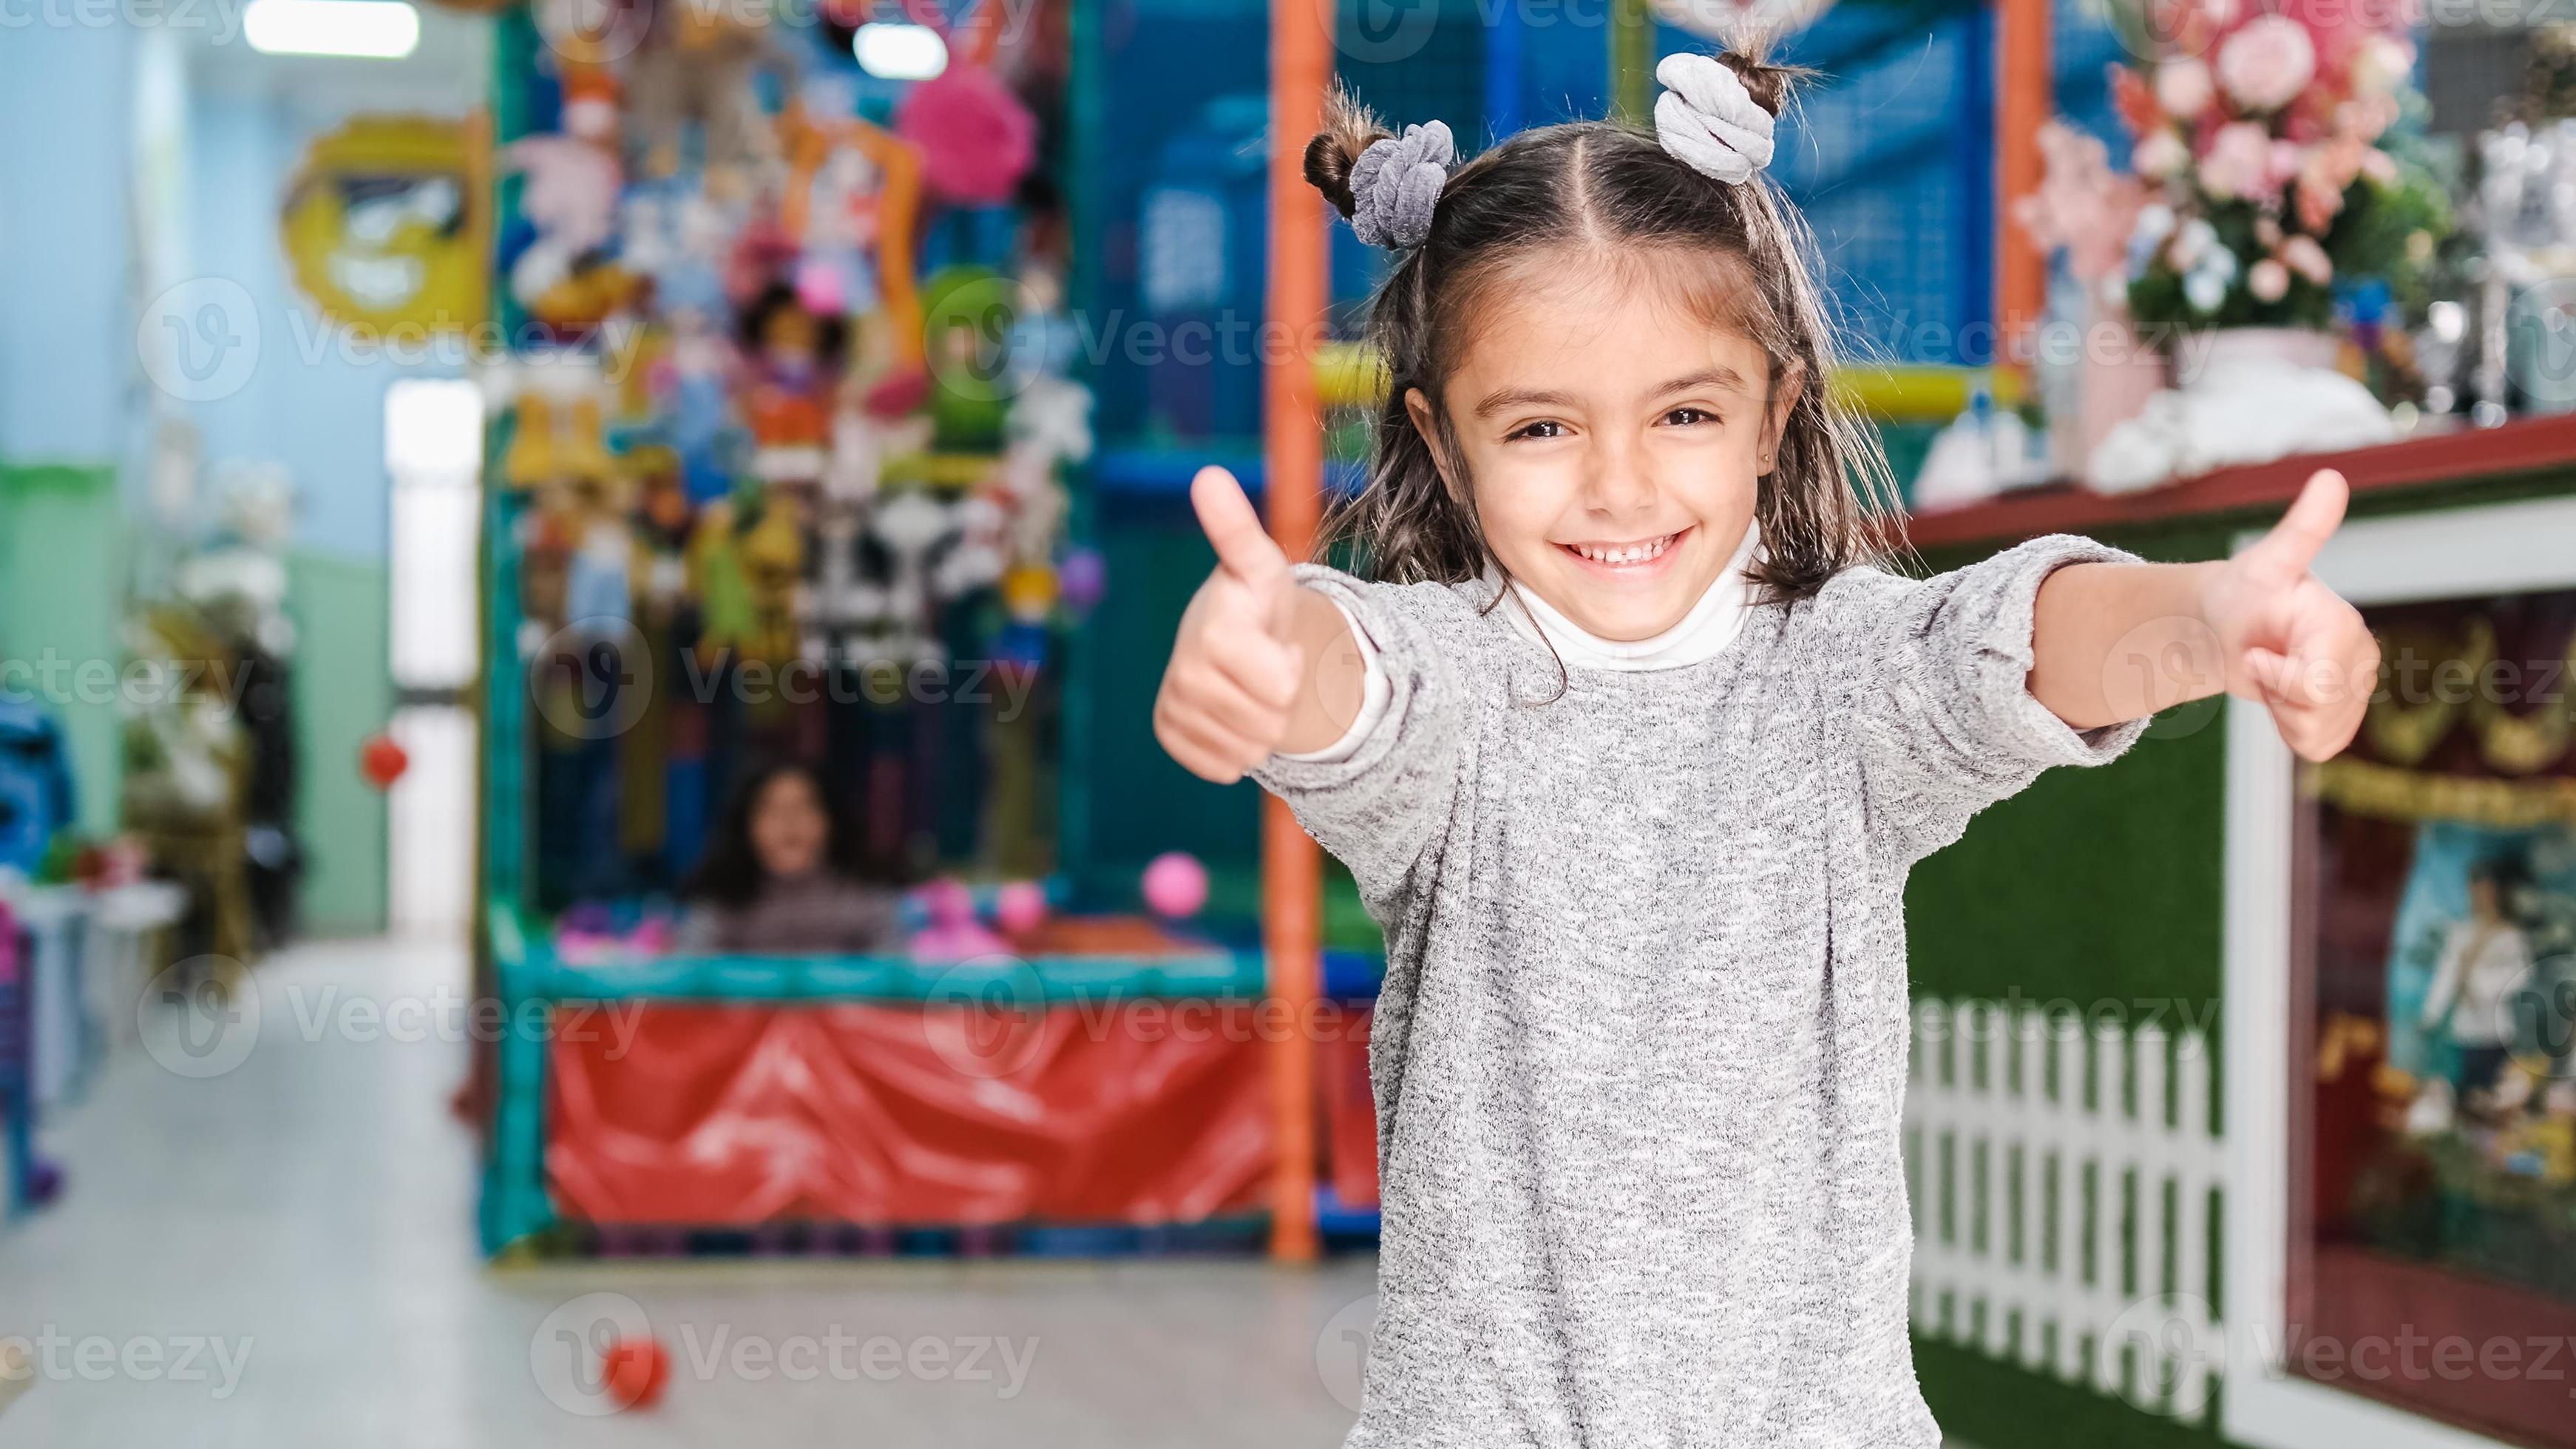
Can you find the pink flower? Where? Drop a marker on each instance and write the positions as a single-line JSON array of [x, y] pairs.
[[2381, 65], [2184, 89], [2367, 118], [2160, 155], [2267, 62], [2268, 280], [2303, 256], [2238, 165], [2081, 204], [2324, 174]]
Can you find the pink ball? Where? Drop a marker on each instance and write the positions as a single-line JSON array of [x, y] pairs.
[[1176, 885], [948, 902], [1020, 907]]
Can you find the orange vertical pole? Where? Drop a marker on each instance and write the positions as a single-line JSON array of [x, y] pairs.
[[1292, 876], [2024, 98]]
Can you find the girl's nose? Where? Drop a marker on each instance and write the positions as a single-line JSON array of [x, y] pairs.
[[1618, 480]]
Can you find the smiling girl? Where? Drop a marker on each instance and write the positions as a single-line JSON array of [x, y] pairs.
[[1630, 745]]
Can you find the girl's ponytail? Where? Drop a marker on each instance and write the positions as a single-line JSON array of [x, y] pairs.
[[1349, 130]]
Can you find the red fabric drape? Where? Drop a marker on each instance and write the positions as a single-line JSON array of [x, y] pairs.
[[1132, 1111]]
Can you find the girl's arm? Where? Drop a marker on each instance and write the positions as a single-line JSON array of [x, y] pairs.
[[2120, 641], [1261, 665]]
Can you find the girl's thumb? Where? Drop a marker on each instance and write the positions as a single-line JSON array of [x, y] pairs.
[[1243, 547]]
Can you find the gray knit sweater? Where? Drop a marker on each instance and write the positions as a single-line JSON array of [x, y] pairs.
[[1640, 1057]]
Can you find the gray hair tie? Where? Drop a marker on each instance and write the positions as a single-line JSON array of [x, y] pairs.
[[1396, 183]]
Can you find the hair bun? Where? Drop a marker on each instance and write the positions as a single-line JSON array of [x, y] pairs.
[[1349, 130]]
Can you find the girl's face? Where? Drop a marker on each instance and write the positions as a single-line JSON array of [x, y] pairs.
[[789, 830], [1615, 442]]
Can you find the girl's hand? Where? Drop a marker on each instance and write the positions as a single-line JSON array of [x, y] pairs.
[[1236, 671], [2284, 638]]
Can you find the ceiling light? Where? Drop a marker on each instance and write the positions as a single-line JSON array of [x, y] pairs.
[[367, 29], [891, 51]]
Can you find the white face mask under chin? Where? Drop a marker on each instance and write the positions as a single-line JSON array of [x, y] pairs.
[[1701, 635]]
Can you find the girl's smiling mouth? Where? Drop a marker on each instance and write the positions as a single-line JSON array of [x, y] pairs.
[[1631, 557]]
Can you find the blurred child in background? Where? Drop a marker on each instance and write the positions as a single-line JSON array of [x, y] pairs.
[[784, 875]]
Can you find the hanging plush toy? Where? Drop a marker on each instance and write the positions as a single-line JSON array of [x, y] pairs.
[[660, 527], [791, 355], [975, 137], [564, 277], [746, 565], [872, 427], [699, 64]]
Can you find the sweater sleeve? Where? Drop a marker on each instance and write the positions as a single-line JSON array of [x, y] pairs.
[[1379, 795], [1934, 677]]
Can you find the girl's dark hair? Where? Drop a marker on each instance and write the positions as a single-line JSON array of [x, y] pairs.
[[1609, 189], [731, 876]]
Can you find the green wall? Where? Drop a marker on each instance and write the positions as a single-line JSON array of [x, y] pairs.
[[63, 542], [343, 694], [64, 550]]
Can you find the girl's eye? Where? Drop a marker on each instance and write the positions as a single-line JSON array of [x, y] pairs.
[[1545, 428], [1689, 417]]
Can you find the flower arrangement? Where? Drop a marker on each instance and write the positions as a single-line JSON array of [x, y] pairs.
[[2261, 138]]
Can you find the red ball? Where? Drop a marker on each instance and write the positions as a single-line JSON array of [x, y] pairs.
[[382, 762], [635, 1369]]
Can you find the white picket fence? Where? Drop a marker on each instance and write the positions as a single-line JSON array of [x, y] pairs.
[[2063, 1176]]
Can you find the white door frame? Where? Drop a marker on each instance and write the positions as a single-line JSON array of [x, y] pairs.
[[2452, 553]]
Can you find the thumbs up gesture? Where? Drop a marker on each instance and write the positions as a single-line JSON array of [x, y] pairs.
[[1237, 670], [2285, 639]]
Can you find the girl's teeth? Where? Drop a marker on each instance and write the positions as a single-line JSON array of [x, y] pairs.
[[1625, 553]]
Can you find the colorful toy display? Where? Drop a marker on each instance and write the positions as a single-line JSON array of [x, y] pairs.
[[786, 456], [783, 471]]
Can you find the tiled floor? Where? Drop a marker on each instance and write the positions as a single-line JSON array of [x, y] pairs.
[[283, 1256]]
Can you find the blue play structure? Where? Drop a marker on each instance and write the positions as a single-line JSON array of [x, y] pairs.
[[1891, 157], [36, 799]]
